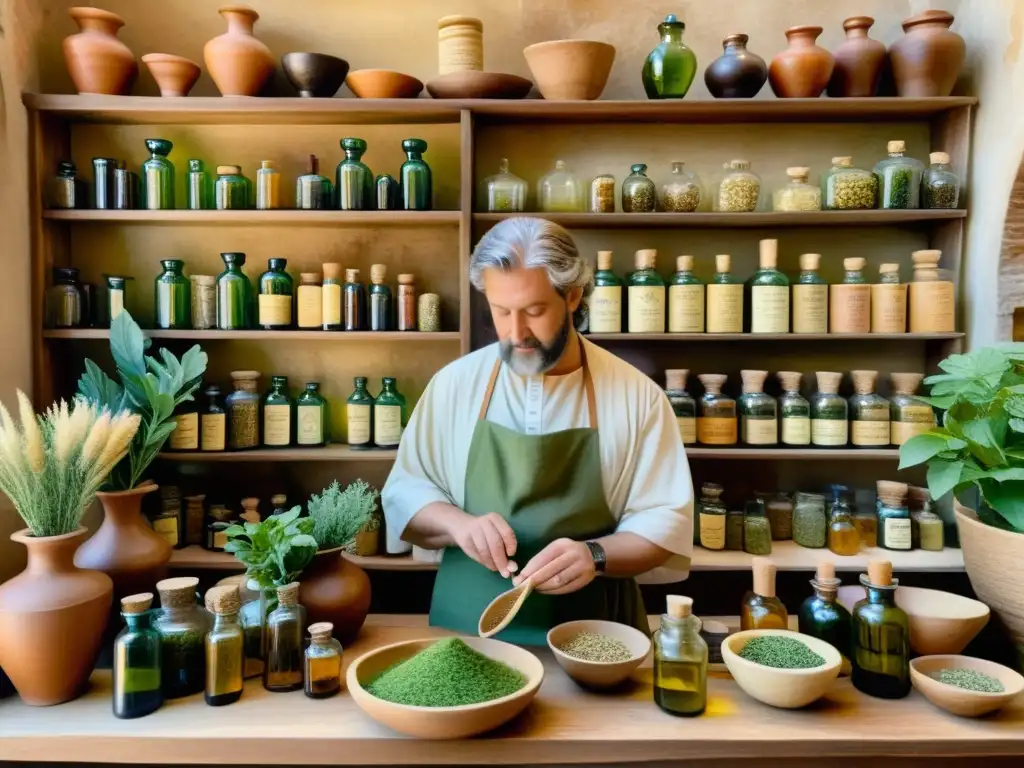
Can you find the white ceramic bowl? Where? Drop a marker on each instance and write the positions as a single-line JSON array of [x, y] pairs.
[[960, 701], [599, 674], [785, 688]]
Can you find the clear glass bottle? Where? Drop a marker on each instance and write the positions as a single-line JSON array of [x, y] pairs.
[[759, 417], [275, 299], [798, 195], [405, 302], [353, 180], [760, 608], [669, 69], [829, 412], [322, 673], [850, 301], [888, 301], [158, 176], [638, 192], [559, 191], [198, 187], [716, 415], [932, 295], [65, 300], [724, 298], [380, 299], [136, 667], [683, 191], [416, 182], [711, 529], [899, 178], [646, 295], [278, 414], [225, 648], [869, 412], [285, 624], [757, 531], [231, 190], [309, 302], [940, 186], [606, 299], [268, 186], [252, 616], [182, 626], [824, 617], [810, 297], [313, 190], [794, 410], [894, 527], [881, 637], [602, 194], [504, 192], [116, 297], [359, 416], [331, 311], [843, 538], [908, 415], [173, 296], [846, 188], [388, 414], [66, 190], [927, 528], [865, 518], [685, 299], [311, 422], [204, 302], [810, 524], [234, 295], [779, 508], [354, 293], [768, 293], [739, 190], [243, 409], [680, 661], [684, 406]]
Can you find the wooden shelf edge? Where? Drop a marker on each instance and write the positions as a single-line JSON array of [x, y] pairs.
[[254, 217], [256, 335], [733, 220], [329, 453], [716, 337]]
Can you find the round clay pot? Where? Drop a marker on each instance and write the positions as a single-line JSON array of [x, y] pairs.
[[52, 618], [737, 73], [97, 61], [125, 547], [927, 60], [175, 75], [336, 590], [859, 61], [570, 69], [802, 70], [238, 63]]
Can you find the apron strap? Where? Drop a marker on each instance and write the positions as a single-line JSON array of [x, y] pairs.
[[490, 389]]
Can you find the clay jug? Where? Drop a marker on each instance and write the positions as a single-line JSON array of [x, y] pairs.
[[737, 73], [52, 618], [859, 61], [336, 590], [238, 63], [97, 61], [802, 70], [927, 59], [125, 547]]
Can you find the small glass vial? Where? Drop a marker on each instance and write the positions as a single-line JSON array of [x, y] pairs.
[[64, 300], [117, 287], [217, 524], [932, 295], [734, 530], [684, 406], [880, 652], [739, 190], [798, 195], [103, 182], [274, 311], [850, 301], [268, 186], [768, 290], [380, 299], [388, 414], [929, 526], [388, 192], [602, 194], [243, 409], [278, 414], [323, 662], [234, 295], [284, 664], [794, 410], [899, 178], [417, 186], [843, 538], [405, 305], [313, 191], [716, 419], [309, 300], [332, 298], [559, 191], [940, 187], [136, 667], [810, 524], [908, 415], [724, 298], [894, 527], [682, 192], [685, 299], [504, 192], [757, 531], [606, 299], [888, 301], [359, 416], [66, 190], [311, 424], [173, 296], [846, 188], [711, 530], [869, 412], [760, 608], [865, 518], [759, 419], [158, 176], [810, 297], [779, 508], [353, 180], [646, 295], [231, 190], [354, 302], [182, 625], [823, 616], [195, 519], [680, 661], [225, 648], [638, 192], [198, 187], [203, 302], [126, 188], [829, 412], [429, 313]]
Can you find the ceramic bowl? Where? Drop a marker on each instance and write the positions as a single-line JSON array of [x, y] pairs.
[[443, 722], [174, 75], [383, 84], [314, 75], [599, 674], [958, 700], [570, 69], [478, 85], [785, 688], [940, 622]]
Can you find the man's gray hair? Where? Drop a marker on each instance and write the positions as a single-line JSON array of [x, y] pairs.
[[525, 242]]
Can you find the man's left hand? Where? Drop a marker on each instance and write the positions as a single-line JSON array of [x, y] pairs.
[[562, 567]]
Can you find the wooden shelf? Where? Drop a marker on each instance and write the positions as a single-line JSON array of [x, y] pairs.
[[717, 337], [715, 220], [794, 454], [333, 452], [325, 336], [197, 558], [264, 218]]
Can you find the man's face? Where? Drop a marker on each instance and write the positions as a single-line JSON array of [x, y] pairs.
[[532, 319]]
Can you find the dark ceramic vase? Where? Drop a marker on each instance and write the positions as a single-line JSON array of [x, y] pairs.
[[314, 74], [802, 70], [737, 73], [859, 61], [927, 60]]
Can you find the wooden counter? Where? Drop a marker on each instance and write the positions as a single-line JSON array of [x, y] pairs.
[[564, 725]]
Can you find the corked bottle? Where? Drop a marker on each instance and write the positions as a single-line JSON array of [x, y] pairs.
[[331, 298], [810, 297], [825, 618], [136, 667], [869, 412], [927, 528], [309, 300], [680, 660], [716, 420], [182, 626], [250, 509], [684, 406], [894, 528], [355, 302], [768, 292], [268, 186], [795, 411], [932, 295], [759, 418], [850, 301], [908, 415], [889, 301], [685, 299], [881, 637], [760, 608], [406, 304], [284, 667], [606, 300], [712, 517], [646, 295], [725, 298], [225, 647], [829, 412], [379, 299], [322, 663]]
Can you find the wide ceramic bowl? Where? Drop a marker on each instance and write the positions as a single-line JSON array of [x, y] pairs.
[[599, 674], [785, 688], [443, 722], [383, 84], [478, 85], [314, 75], [570, 69], [960, 701]]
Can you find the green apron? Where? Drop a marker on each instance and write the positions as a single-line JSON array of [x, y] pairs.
[[547, 487]]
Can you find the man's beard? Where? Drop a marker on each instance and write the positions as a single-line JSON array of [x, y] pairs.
[[540, 358]]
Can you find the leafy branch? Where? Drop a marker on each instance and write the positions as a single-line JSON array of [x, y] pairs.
[[274, 551]]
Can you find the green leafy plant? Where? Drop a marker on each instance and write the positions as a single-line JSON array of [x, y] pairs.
[[274, 551], [338, 515], [981, 440], [148, 386]]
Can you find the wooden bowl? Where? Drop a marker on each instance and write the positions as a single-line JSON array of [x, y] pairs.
[[443, 722], [960, 701], [174, 75], [478, 85], [570, 69], [599, 674], [785, 688], [383, 84]]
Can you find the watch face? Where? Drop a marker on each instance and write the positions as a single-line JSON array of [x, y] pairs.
[[597, 552]]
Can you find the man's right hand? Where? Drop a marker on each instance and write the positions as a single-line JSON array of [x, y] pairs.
[[487, 539]]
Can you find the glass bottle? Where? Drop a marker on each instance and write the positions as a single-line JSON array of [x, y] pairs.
[[284, 664], [359, 416], [158, 176], [684, 406], [932, 295], [203, 302], [940, 187], [559, 191], [234, 295], [243, 408], [195, 519], [669, 69], [757, 531], [646, 295], [355, 302], [768, 291], [810, 297], [217, 524], [606, 299], [504, 192], [380, 299], [185, 436], [66, 190], [845, 188], [795, 411], [353, 180], [725, 298], [250, 510], [602, 194], [268, 186], [734, 530], [332, 298], [680, 660], [865, 518], [212, 422], [881, 637], [712, 517], [869, 412], [103, 182], [166, 517], [760, 608], [309, 300], [829, 412], [64, 300], [405, 304], [908, 415], [824, 617], [225, 648], [275, 298], [231, 190], [198, 187], [685, 299], [126, 188], [387, 192], [899, 178], [759, 419], [716, 419], [173, 296], [313, 191], [278, 414], [388, 414], [323, 662], [843, 538], [779, 508], [810, 524], [850, 301], [182, 626], [256, 604], [798, 195], [894, 526], [311, 423], [136, 668], [739, 190], [927, 528], [888, 301], [683, 191], [638, 192], [417, 187], [117, 287]]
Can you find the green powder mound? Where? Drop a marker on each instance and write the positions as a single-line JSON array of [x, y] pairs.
[[969, 680], [780, 652], [447, 674]]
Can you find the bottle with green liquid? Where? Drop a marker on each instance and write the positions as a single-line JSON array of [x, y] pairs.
[[724, 298], [685, 299], [234, 295], [606, 301], [823, 617], [680, 661], [136, 669], [646, 295], [768, 293], [880, 637]]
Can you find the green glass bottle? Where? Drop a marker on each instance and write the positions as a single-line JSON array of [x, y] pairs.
[[895, 529], [639, 195], [829, 412], [173, 296], [158, 176], [278, 414], [725, 298], [415, 179], [646, 295], [275, 298], [313, 192], [670, 67], [810, 297], [685, 299], [199, 188], [311, 422], [794, 410], [880, 637], [136, 667], [823, 617], [232, 190], [759, 416], [680, 661], [869, 412], [234, 295], [359, 416], [768, 293], [388, 414], [353, 180], [605, 307]]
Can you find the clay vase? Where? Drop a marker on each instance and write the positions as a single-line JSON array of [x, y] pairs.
[[125, 547], [927, 60], [803, 70], [97, 61], [859, 61], [52, 619], [174, 75], [737, 73], [238, 63], [336, 590]]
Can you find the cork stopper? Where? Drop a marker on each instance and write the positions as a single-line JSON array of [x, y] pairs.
[[268, 164], [896, 146], [288, 595], [321, 631], [229, 170], [926, 259], [309, 278], [646, 258], [723, 262], [753, 381], [888, 269], [864, 381], [223, 599], [313, 165], [406, 278], [880, 573], [892, 492], [826, 571], [139, 603], [378, 272], [679, 607], [675, 378], [711, 490], [843, 162], [250, 504], [204, 280], [809, 262], [684, 263], [245, 376], [178, 592], [798, 173], [854, 265], [604, 259], [790, 380], [768, 253], [906, 383], [351, 275], [764, 576], [278, 499], [939, 158], [713, 382], [332, 270], [829, 381], [920, 496]]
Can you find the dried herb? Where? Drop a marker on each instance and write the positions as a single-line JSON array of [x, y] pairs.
[[339, 515], [897, 192], [969, 680], [591, 646], [780, 652]]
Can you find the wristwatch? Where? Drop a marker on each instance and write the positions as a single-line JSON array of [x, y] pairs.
[[597, 552]]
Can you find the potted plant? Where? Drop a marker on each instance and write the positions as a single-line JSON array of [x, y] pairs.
[[125, 547], [53, 614], [980, 445]]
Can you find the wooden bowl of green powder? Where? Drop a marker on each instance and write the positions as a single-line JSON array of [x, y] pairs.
[[598, 654], [451, 688], [781, 668], [964, 685]]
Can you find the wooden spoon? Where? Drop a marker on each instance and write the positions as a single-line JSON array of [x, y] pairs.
[[503, 609]]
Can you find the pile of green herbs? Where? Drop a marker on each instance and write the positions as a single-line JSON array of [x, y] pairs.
[[780, 652], [338, 515]]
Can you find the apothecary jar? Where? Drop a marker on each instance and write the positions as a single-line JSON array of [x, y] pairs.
[[638, 191], [560, 191], [682, 192], [504, 191], [740, 188]]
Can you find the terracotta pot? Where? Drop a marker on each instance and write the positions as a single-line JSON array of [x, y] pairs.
[[570, 69], [737, 73], [803, 70], [97, 61], [52, 618], [383, 84], [927, 59], [125, 547], [336, 590], [859, 61], [175, 75], [239, 64]]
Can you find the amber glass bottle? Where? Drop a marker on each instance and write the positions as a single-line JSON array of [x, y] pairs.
[[225, 644], [850, 301], [323, 662], [716, 417], [761, 609]]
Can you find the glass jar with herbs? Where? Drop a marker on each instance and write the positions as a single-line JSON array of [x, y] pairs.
[[940, 186], [794, 410], [646, 294], [275, 297], [824, 617], [759, 420], [219, 519], [734, 530], [182, 626], [195, 519], [888, 301], [850, 301], [683, 191], [278, 414], [602, 194], [899, 178], [894, 527], [685, 299], [380, 299], [158, 176], [354, 306], [428, 313], [66, 190], [388, 414], [231, 190], [234, 295], [65, 300], [311, 421], [881, 637], [225, 648], [353, 180], [711, 529], [846, 188], [173, 296], [739, 190], [285, 628], [798, 195], [505, 192], [359, 416], [243, 409], [136, 665], [560, 191], [322, 672], [684, 406], [829, 412], [810, 525], [680, 660], [757, 532], [869, 412], [908, 415], [638, 191], [760, 608], [843, 538], [716, 413], [779, 509]]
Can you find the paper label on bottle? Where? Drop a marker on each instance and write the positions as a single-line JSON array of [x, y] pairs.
[[712, 531], [358, 424], [897, 533], [796, 430], [850, 308], [220, 540], [331, 312], [888, 308], [275, 309], [760, 431], [185, 436], [310, 300], [901, 431], [167, 527], [715, 430], [116, 302], [646, 309], [829, 432], [606, 309], [725, 309], [309, 423], [212, 432], [277, 425], [932, 307], [870, 432], [769, 309], [810, 309], [387, 425], [686, 309], [687, 429]]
